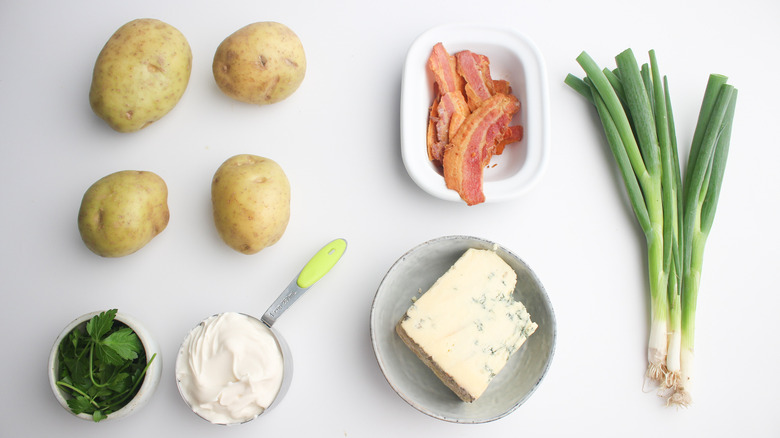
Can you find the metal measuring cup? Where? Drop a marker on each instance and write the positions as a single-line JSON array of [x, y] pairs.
[[319, 265]]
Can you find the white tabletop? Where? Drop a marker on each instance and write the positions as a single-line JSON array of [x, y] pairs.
[[337, 139]]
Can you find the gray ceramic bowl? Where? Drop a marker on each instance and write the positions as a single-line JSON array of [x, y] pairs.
[[416, 271]]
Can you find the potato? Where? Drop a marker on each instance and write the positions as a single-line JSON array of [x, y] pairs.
[[250, 196], [122, 212], [140, 74], [261, 63]]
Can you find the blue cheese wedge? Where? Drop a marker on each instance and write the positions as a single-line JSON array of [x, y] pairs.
[[467, 325]]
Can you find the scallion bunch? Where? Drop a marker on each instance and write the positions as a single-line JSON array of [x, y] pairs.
[[675, 214]]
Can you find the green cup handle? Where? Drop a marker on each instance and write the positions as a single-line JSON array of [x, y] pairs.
[[321, 263]]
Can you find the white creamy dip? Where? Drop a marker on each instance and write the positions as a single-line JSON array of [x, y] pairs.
[[229, 368]]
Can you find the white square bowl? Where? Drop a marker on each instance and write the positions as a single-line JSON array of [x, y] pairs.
[[513, 57]]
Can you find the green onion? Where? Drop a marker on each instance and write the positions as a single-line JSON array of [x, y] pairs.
[[675, 278], [579, 86], [676, 215], [704, 177], [635, 141], [672, 208]]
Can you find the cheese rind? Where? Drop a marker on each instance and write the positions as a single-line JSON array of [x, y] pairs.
[[467, 325]]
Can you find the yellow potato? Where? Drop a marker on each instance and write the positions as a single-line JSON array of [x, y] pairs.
[[122, 212], [250, 196], [261, 63], [140, 74]]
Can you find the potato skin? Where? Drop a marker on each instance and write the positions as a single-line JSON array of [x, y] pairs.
[[122, 212], [261, 63], [250, 197], [140, 74]]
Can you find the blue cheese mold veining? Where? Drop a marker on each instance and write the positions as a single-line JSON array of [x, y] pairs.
[[467, 325]]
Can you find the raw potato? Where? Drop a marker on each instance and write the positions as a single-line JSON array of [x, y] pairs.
[[140, 74], [122, 212], [261, 63], [251, 201]]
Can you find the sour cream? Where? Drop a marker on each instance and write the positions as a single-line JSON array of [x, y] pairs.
[[230, 368]]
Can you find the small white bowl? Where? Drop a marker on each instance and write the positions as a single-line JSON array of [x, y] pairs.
[[412, 380], [151, 379], [512, 57]]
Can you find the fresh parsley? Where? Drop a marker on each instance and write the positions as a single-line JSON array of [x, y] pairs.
[[101, 366]]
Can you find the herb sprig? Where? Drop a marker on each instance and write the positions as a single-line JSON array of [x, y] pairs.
[[102, 367]]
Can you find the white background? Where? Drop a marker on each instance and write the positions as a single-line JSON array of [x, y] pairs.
[[337, 139]]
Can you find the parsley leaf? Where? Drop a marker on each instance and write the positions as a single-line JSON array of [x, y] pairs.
[[124, 343], [98, 415], [79, 404], [101, 324], [120, 383], [101, 366]]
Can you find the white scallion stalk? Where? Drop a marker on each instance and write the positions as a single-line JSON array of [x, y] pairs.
[[673, 358], [657, 345]]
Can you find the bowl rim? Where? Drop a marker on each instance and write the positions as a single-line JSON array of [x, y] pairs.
[[379, 357], [536, 106], [151, 379]]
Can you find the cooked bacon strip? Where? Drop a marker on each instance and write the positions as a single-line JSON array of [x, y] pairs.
[[474, 144], [447, 114], [475, 69], [442, 66], [469, 119], [447, 111], [460, 110], [511, 135], [433, 116], [453, 111], [502, 86]]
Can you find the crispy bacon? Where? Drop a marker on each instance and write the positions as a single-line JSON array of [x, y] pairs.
[[451, 111], [474, 144], [475, 69], [502, 86], [511, 135], [433, 117], [460, 110], [446, 115], [469, 119], [443, 67], [449, 107]]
